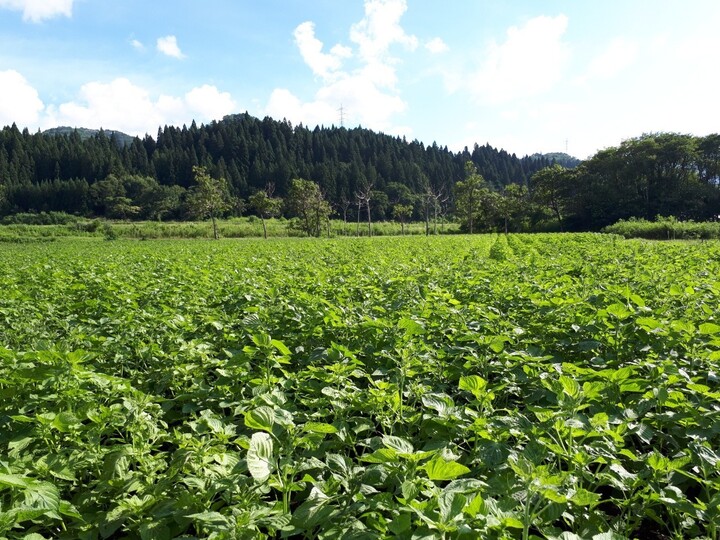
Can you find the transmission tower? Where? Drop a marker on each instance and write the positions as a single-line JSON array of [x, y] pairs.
[[341, 110]]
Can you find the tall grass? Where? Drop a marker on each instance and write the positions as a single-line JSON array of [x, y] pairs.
[[665, 228], [36, 227]]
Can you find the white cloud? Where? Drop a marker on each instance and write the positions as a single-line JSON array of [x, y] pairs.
[[380, 28], [168, 46], [19, 101], [437, 46], [208, 103], [137, 45], [126, 107], [362, 102], [39, 10], [322, 64], [367, 90], [530, 61], [618, 55]]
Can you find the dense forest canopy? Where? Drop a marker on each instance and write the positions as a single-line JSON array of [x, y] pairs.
[[359, 172], [62, 170]]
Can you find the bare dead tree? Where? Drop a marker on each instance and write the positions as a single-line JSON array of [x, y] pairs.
[[364, 196], [437, 198], [344, 205]]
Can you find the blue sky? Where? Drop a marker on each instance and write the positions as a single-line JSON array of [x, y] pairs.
[[524, 75]]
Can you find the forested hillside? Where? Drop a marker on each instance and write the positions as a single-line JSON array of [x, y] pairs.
[[360, 173], [98, 175]]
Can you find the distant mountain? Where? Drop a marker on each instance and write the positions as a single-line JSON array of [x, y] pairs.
[[123, 139], [561, 158]]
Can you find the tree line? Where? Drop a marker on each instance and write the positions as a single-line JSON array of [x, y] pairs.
[[270, 168], [103, 175], [651, 176]]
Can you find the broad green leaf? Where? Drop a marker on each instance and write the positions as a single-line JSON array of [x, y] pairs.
[[280, 346], [42, 495], [262, 340], [381, 455], [473, 384], [411, 327], [657, 462], [475, 506], [709, 328], [260, 456], [451, 505], [570, 386], [439, 469], [554, 496], [441, 403], [583, 497], [14, 480], [706, 455], [410, 490], [648, 323], [216, 519], [262, 418], [497, 343], [319, 427], [619, 311], [400, 524], [398, 444]]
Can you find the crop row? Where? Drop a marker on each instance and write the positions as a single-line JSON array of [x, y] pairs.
[[555, 386]]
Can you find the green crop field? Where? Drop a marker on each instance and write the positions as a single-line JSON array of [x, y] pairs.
[[539, 386]]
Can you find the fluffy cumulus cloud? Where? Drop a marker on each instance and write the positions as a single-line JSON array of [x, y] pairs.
[[321, 64], [168, 46], [362, 79], [19, 101], [124, 106], [437, 46], [529, 62], [39, 10]]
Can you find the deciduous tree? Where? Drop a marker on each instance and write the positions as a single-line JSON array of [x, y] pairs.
[[305, 200], [209, 197], [469, 194], [266, 205], [550, 187]]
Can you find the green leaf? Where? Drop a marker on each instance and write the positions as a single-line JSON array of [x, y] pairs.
[[262, 418], [476, 506], [14, 480], [473, 384], [570, 386], [319, 427], [451, 505], [439, 469], [583, 497], [215, 519], [280, 346], [619, 311], [709, 328], [398, 444], [381, 455], [260, 456], [657, 461], [262, 340], [411, 327], [497, 343], [42, 495], [400, 524], [410, 490]]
